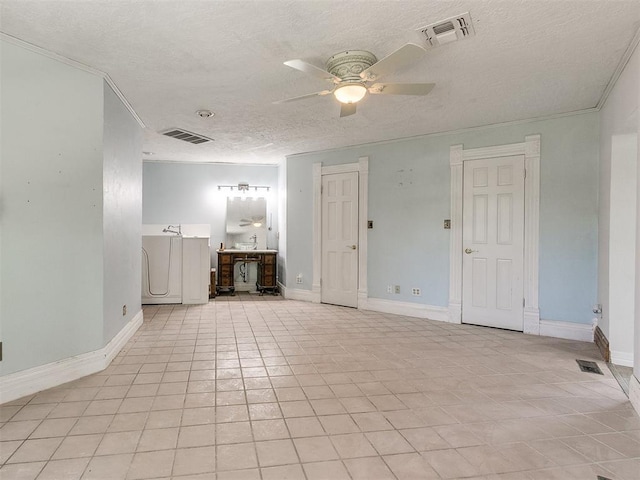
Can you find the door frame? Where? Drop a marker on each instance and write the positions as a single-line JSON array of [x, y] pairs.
[[362, 168], [530, 148]]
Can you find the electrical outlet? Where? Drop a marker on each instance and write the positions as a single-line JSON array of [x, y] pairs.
[[415, 292], [396, 289], [124, 310], [299, 278], [389, 288]]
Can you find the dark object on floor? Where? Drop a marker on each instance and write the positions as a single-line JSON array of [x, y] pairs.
[[590, 367]]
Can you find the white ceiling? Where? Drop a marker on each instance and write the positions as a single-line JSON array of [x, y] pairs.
[[529, 58]]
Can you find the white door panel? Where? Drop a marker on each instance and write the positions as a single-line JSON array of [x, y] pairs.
[[340, 239], [493, 242]]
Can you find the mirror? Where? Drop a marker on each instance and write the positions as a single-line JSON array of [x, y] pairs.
[[246, 223]]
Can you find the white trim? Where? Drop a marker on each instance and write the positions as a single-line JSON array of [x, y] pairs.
[[36, 379], [622, 358], [317, 232], [634, 392], [362, 168], [459, 131], [75, 64], [569, 330], [407, 309], [530, 148], [619, 69], [298, 294], [363, 213]]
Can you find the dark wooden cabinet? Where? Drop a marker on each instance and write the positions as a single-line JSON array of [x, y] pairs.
[[267, 269]]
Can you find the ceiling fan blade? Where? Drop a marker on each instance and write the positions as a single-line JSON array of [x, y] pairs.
[[302, 97], [347, 109], [244, 224], [401, 88], [393, 61], [312, 70]]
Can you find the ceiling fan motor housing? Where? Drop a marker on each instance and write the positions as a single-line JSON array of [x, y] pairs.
[[348, 65]]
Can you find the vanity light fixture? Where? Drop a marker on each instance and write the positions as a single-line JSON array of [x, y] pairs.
[[244, 187]]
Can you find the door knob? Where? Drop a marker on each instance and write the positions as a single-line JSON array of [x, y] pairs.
[[468, 251], [352, 247]]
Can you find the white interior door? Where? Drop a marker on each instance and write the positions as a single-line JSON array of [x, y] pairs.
[[493, 242], [339, 277]]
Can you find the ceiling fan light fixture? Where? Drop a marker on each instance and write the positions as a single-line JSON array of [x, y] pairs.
[[350, 92], [257, 224]]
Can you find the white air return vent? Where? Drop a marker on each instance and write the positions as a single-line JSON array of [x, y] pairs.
[[185, 136], [447, 31]]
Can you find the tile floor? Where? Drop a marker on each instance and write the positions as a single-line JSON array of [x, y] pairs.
[[278, 390]]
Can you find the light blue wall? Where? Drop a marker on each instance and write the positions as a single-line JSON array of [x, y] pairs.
[[122, 214], [409, 197], [182, 193], [51, 196]]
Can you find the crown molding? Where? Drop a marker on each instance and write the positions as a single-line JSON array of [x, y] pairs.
[[74, 64]]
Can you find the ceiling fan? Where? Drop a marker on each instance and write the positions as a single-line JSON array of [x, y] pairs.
[[256, 221], [353, 73]]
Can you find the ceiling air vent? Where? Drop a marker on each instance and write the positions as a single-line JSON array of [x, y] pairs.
[[447, 31], [185, 136]]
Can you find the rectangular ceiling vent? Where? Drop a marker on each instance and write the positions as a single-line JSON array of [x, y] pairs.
[[447, 31], [185, 136]]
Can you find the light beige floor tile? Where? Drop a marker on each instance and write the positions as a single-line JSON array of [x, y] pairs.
[[315, 449], [78, 446], [591, 448], [352, 445], [410, 466], [247, 474], [300, 408], [36, 450], [21, 471], [285, 472], [18, 430], [191, 461], [305, 427], [237, 432], [368, 468], [269, 430], [91, 424], [70, 469], [338, 424], [164, 419], [389, 442], [55, 427], [276, 452], [196, 436], [158, 439], [7, 449], [450, 464], [264, 411], [151, 465], [236, 457], [330, 470], [124, 422], [198, 416], [393, 383], [118, 442], [371, 421]]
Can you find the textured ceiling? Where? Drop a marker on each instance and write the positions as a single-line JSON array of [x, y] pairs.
[[529, 58]]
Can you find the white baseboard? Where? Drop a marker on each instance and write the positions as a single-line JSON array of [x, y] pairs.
[[407, 309], [634, 393], [26, 382], [622, 358], [296, 294], [568, 330]]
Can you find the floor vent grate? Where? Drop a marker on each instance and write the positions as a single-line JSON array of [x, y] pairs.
[[589, 367]]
